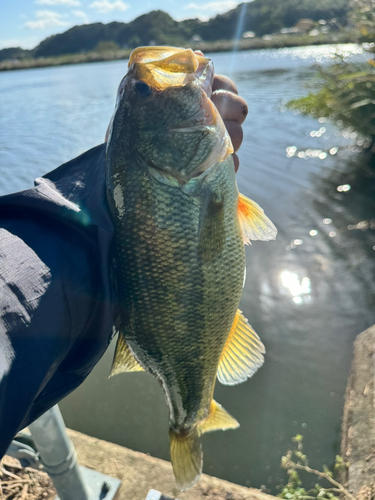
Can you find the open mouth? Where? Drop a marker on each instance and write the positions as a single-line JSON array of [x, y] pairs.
[[170, 66]]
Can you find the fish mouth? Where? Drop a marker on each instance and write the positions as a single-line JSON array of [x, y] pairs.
[[171, 67]]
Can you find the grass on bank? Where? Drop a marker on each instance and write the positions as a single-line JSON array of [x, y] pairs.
[[346, 96], [294, 461], [346, 90]]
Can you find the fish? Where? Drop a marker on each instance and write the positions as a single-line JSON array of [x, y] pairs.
[[180, 228]]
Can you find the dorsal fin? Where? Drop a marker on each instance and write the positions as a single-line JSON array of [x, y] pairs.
[[218, 419], [242, 354], [254, 223], [124, 360]]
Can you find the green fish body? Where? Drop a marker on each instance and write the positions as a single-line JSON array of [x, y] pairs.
[[179, 250]]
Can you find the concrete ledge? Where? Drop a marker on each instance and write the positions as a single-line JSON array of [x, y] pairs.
[[139, 473], [358, 427]]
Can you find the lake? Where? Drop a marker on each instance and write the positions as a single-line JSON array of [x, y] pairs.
[[308, 294]]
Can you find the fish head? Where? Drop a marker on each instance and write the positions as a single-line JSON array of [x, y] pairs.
[[164, 112]]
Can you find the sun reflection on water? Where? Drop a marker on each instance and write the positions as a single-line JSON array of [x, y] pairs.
[[300, 289]]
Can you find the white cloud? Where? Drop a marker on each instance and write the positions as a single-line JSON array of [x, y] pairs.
[[69, 3], [46, 19], [105, 6], [217, 7], [82, 15]]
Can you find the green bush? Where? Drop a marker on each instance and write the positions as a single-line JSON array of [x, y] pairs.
[[347, 90], [346, 96], [295, 460]]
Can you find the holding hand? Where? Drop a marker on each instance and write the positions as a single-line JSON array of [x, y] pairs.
[[232, 108]]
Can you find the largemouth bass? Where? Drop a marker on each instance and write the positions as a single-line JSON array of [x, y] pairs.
[[180, 228]]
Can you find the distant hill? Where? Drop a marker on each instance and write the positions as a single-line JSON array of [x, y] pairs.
[[157, 27], [14, 53], [270, 16]]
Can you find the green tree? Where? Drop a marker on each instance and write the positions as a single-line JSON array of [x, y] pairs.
[[347, 89], [107, 47], [363, 16]]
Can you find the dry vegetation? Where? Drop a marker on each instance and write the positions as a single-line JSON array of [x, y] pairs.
[[18, 483]]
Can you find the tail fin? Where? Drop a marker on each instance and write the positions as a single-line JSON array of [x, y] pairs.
[[186, 450], [186, 457]]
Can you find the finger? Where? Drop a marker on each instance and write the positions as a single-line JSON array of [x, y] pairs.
[[230, 106], [236, 162], [235, 133], [224, 83]]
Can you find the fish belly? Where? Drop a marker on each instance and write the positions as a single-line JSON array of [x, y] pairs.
[[181, 266]]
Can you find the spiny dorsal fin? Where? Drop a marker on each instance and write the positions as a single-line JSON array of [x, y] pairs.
[[124, 360], [186, 457], [218, 419], [254, 223], [242, 354]]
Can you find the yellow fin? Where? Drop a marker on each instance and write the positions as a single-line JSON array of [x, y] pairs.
[[254, 223], [124, 360], [242, 354], [218, 419], [186, 457]]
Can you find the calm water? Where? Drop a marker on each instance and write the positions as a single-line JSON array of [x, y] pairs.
[[308, 294]]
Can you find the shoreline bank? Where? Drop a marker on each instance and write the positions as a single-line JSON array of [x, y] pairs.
[[274, 42]]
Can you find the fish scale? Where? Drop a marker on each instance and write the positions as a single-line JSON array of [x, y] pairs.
[[170, 294]]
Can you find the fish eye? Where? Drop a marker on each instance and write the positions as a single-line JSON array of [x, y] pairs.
[[143, 89]]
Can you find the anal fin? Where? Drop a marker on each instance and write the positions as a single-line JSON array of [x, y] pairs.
[[243, 353], [124, 360], [218, 419], [255, 224]]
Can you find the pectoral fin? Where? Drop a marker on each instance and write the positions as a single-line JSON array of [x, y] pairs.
[[254, 223], [124, 360], [218, 419], [242, 354]]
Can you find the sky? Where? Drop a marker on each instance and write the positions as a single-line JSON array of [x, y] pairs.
[[25, 23]]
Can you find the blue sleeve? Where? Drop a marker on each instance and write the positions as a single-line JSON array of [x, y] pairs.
[[56, 310]]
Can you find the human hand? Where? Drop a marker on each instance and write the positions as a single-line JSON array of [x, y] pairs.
[[232, 108]]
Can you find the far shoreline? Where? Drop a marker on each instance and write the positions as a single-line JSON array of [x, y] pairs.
[[273, 42]]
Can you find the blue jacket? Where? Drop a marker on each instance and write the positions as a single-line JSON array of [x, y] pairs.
[[57, 301]]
